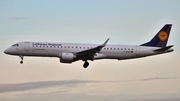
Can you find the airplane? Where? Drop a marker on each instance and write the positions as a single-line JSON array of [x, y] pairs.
[[71, 52]]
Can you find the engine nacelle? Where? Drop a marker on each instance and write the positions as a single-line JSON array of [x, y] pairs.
[[67, 57]]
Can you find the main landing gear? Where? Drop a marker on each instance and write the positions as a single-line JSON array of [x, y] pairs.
[[86, 64], [21, 62]]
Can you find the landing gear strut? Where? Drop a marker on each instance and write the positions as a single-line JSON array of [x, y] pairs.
[[21, 62], [86, 64]]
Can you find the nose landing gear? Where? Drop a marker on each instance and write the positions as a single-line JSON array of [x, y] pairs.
[[21, 62], [86, 64]]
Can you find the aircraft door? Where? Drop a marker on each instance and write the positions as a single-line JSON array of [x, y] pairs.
[[26, 46], [137, 50]]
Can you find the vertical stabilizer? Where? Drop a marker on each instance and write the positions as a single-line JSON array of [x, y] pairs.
[[161, 38]]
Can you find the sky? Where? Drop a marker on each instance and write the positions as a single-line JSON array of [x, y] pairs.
[[130, 22]]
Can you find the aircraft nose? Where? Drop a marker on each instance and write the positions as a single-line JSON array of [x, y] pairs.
[[7, 51]]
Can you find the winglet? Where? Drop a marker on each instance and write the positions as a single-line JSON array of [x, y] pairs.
[[104, 44]]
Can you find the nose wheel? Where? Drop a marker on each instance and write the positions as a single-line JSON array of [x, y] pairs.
[[21, 62], [86, 64]]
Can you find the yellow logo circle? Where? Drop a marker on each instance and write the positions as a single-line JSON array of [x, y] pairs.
[[162, 35]]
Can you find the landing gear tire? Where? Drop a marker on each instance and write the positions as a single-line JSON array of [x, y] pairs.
[[86, 64], [21, 62]]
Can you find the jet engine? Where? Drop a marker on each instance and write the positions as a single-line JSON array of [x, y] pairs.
[[67, 57]]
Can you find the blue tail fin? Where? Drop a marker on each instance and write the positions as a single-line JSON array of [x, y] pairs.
[[161, 38]]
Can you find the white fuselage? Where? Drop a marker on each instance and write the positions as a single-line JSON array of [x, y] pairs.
[[71, 52], [50, 49]]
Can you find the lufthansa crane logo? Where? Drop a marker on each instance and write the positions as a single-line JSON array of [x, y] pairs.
[[163, 35]]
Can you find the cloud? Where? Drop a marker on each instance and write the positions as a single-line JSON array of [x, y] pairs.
[[36, 85], [149, 79], [45, 84], [153, 99], [7, 0], [18, 18]]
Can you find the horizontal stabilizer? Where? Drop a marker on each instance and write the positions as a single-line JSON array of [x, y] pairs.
[[163, 49]]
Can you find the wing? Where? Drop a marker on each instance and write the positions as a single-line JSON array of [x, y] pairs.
[[90, 53]]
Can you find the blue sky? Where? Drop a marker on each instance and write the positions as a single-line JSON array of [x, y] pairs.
[[89, 21]]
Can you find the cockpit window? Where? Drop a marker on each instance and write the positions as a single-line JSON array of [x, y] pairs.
[[15, 45]]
